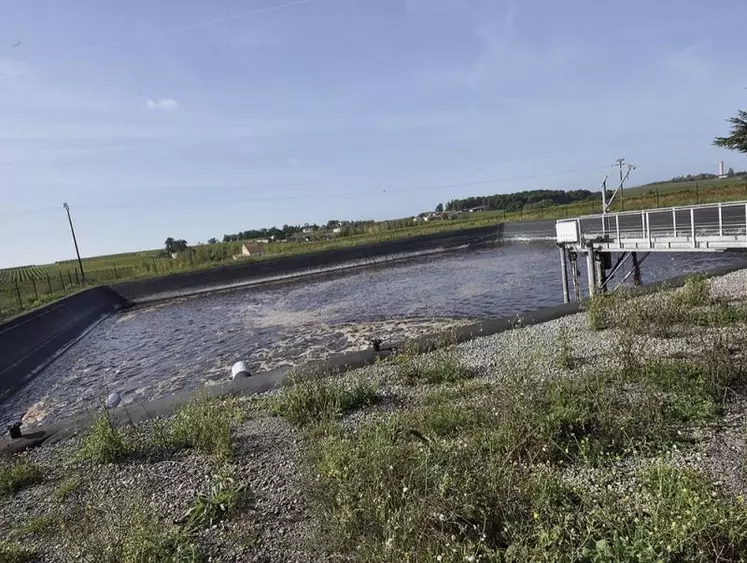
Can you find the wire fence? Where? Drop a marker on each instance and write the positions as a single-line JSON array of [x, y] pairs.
[[31, 289]]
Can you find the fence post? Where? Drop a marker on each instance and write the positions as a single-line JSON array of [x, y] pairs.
[[36, 293], [77, 281], [697, 193], [62, 281], [116, 275], [657, 197], [49, 283], [69, 277], [155, 268], [18, 294]]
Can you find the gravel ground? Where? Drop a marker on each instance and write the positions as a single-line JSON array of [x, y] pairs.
[[278, 525]]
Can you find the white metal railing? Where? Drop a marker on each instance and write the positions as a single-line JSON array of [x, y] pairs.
[[715, 226]]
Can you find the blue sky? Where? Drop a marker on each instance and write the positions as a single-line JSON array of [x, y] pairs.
[[193, 119]]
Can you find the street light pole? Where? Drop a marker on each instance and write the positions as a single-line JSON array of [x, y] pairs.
[[75, 242]]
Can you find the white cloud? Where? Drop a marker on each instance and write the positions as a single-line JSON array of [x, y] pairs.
[[162, 105], [293, 161]]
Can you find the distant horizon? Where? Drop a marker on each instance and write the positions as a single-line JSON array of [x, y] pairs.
[[324, 222]]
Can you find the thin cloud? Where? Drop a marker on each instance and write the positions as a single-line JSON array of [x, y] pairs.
[[162, 105]]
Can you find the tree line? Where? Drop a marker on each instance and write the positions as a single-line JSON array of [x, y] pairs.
[[519, 200]]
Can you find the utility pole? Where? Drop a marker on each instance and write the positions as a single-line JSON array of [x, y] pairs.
[[75, 242], [621, 163]]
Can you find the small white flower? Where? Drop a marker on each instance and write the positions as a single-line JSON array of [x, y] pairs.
[[439, 558]]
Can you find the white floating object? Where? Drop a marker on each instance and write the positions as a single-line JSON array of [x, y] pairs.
[[113, 400], [238, 369]]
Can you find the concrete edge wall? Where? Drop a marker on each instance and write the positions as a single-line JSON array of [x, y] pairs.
[[28, 340], [267, 381]]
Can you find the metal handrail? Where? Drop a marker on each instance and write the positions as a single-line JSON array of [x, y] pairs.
[[655, 210]]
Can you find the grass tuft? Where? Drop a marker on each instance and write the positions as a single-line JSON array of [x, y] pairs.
[[603, 310], [224, 498], [18, 475], [696, 292], [564, 358], [722, 314], [316, 399], [203, 424], [444, 365], [66, 488], [104, 443], [129, 536], [41, 525]]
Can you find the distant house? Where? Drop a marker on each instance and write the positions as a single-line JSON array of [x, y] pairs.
[[337, 230], [251, 249]]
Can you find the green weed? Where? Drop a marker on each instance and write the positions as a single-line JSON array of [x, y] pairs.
[[123, 532], [104, 443], [691, 392], [317, 399], [67, 487], [722, 314], [443, 365], [18, 475], [45, 525], [696, 292], [224, 498], [450, 392], [203, 424], [564, 356], [603, 310]]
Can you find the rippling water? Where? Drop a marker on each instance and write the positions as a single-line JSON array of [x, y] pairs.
[[152, 351]]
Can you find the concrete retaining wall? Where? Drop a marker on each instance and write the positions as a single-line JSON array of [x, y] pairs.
[[29, 340]]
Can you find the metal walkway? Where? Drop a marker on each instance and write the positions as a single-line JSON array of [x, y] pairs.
[[713, 227], [702, 228]]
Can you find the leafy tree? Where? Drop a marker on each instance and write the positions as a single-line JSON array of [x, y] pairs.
[[175, 245], [212, 240], [730, 172], [737, 140], [440, 208]]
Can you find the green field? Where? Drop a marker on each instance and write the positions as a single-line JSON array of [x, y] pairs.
[[26, 273], [30, 286], [691, 186]]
